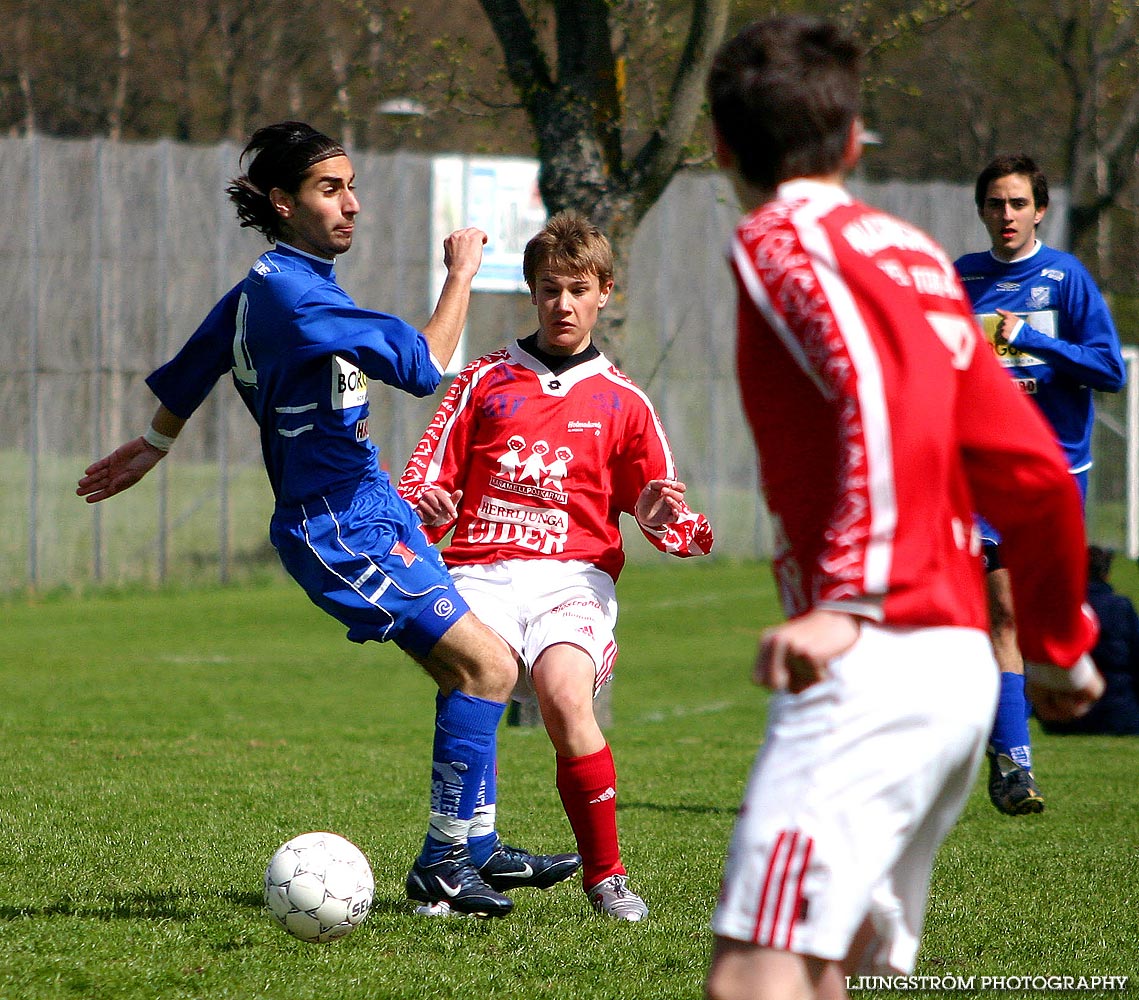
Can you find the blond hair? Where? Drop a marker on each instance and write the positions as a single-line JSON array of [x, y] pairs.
[[568, 244]]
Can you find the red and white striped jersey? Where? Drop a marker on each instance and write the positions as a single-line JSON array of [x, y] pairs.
[[547, 463], [882, 422]]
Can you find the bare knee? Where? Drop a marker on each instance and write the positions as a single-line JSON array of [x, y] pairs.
[[474, 659], [563, 679]]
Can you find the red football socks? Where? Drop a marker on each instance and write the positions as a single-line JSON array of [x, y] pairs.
[[588, 788]]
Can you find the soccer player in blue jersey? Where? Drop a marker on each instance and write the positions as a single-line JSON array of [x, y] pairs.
[[1052, 331], [301, 353]]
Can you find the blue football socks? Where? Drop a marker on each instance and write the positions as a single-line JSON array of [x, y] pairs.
[[484, 837], [462, 756], [1010, 728]]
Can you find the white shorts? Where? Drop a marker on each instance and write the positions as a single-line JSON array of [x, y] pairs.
[[859, 780], [536, 603]]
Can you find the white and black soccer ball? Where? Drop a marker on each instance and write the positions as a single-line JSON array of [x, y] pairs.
[[318, 886]]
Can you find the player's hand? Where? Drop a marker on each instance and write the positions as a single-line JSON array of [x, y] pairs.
[[797, 654], [1062, 695], [118, 471], [438, 507], [462, 251], [1059, 706], [1005, 326], [661, 502]]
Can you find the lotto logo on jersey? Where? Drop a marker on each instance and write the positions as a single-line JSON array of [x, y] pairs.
[[349, 385]]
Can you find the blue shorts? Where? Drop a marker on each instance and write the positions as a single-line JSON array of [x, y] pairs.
[[991, 538], [362, 557]]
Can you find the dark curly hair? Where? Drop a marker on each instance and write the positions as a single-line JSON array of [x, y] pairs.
[[281, 156]]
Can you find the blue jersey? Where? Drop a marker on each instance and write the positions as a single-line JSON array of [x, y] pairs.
[[1068, 345], [301, 353]]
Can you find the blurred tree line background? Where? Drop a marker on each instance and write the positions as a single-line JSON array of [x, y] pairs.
[[606, 93]]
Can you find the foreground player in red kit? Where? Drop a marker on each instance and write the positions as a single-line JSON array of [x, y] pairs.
[[534, 454], [882, 421]]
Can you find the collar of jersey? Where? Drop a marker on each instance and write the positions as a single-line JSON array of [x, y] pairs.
[[520, 356], [323, 264], [813, 189], [561, 363], [1020, 260]]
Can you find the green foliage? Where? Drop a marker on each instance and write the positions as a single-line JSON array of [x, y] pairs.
[[157, 747]]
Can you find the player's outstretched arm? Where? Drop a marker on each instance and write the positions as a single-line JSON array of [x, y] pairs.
[[128, 463], [462, 256]]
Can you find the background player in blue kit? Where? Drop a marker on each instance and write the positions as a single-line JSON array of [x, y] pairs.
[[1052, 331], [301, 351]]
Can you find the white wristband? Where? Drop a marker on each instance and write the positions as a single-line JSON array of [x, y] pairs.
[[160, 441]]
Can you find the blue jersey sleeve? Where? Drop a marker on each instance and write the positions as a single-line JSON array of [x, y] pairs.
[[1092, 355], [183, 383], [382, 346]]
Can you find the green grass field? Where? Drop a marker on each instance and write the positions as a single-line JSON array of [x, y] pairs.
[[157, 747]]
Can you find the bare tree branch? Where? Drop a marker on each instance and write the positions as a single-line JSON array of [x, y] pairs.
[[658, 158], [525, 63]]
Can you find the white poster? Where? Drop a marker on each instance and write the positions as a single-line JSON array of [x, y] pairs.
[[500, 196]]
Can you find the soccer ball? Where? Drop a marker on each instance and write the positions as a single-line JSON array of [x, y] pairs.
[[318, 886]]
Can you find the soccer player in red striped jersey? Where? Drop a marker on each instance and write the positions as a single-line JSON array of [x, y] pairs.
[[533, 456], [882, 422]]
